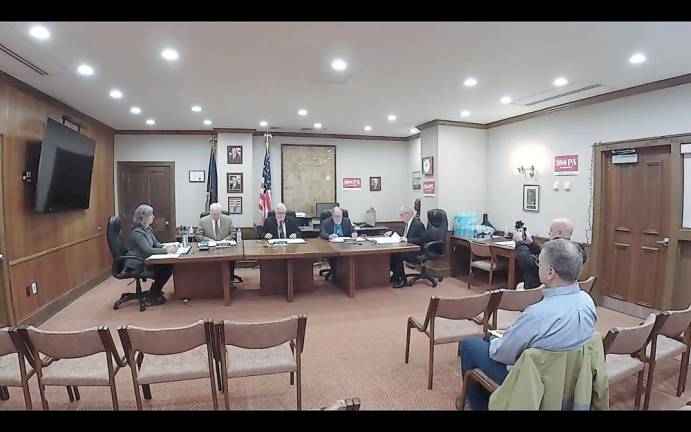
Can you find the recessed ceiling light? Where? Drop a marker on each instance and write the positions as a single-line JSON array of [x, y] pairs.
[[470, 82], [317, 125], [263, 123], [560, 82], [302, 112], [339, 65], [196, 108], [465, 113], [637, 58], [39, 32], [414, 130], [368, 128], [392, 117], [85, 69], [135, 110], [506, 100], [115, 94], [150, 122], [207, 122], [169, 54]]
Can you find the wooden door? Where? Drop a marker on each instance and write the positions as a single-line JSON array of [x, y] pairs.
[[637, 203], [6, 317], [150, 183]]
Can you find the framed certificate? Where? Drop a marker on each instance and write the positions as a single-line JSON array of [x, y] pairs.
[[197, 176]]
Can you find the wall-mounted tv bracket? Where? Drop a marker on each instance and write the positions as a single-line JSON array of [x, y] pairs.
[[67, 119]]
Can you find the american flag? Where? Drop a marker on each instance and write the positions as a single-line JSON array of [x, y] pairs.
[[265, 183]]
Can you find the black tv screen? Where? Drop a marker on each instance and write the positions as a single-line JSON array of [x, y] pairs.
[[64, 170]]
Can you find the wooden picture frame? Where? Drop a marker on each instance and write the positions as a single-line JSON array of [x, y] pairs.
[[196, 176], [417, 180], [234, 182], [235, 205], [531, 198], [234, 155], [375, 184]]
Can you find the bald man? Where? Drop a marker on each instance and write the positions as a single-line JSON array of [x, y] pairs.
[[527, 250]]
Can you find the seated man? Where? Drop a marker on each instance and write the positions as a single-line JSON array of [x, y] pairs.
[[563, 320], [217, 226], [527, 251], [412, 232], [279, 226], [336, 226]]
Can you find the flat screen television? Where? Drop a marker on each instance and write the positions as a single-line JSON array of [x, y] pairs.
[[65, 166]]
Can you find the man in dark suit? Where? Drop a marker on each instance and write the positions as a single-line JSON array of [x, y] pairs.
[[336, 226], [279, 226], [412, 232]]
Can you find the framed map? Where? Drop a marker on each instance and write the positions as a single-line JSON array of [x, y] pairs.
[[308, 176]]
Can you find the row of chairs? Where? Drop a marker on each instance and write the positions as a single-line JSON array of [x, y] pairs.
[[90, 357]]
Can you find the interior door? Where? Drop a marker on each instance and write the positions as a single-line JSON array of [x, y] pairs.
[[637, 202], [150, 183]]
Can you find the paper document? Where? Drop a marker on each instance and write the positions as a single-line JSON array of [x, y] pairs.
[[346, 239], [222, 243], [180, 251], [300, 214], [496, 333], [395, 238], [172, 244], [507, 244], [286, 241]]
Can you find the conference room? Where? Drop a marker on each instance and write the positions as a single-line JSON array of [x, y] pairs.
[[384, 225]]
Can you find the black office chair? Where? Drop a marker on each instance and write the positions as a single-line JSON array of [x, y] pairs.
[[327, 273], [227, 213], [435, 236], [119, 251], [289, 214]]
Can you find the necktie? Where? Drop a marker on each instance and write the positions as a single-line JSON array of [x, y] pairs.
[[218, 229], [281, 230]]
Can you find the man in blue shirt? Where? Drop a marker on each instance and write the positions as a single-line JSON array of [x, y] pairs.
[[336, 226], [562, 321]]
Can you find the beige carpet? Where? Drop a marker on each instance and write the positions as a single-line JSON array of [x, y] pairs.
[[353, 347]]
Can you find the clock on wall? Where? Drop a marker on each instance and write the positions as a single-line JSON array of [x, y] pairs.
[[428, 166]]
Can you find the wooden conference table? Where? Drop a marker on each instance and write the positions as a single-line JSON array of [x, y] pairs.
[[283, 268], [460, 256]]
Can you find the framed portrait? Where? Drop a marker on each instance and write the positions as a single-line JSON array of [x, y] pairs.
[[375, 184], [417, 180], [197, 176], [531, 198], [235, 205], [234, 154], [234, 182]]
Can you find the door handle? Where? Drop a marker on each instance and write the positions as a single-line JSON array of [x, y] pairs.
[[2, 257], [663, 242]]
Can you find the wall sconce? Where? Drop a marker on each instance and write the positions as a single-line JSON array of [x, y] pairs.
[[527, 171]]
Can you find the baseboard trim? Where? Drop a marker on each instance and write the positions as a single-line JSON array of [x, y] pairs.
[[42, 315], [632, 309]]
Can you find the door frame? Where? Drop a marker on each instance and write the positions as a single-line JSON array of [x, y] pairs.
[[6, 306], [669, 298], [168, 164]]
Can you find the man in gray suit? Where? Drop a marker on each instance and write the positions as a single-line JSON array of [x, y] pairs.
[[217, 226]]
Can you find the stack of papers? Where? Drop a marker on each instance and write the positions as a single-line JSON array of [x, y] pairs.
[[395, 238], [507, 244], [180, 251], [286, 241], [346, 239], [222, 243]]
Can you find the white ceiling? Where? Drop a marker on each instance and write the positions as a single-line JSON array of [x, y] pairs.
[[241, 73]]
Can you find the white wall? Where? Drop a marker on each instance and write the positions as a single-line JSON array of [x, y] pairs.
[[354, 158], [429, 145], [189, 152], [250, 187], [414, 164], [536, 141]]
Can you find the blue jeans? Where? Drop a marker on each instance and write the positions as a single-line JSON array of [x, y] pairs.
[[475, 354]]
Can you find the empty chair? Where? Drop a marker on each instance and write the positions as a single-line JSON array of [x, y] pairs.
[[588, 284], [625, 353], [15, 365], [483, 250], [435, 240], [449, 320], [670, 337], [262, 348], [169, 355], [75, 358], [351, 404]]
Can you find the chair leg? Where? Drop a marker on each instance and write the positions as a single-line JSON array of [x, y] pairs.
[[214, 397], [683, 372], [75, 389], [407, 341], [292, 380], [146, 389], [42, 391], [113, 395], [649, 385], [490, 279], [639, 390], [70, 394], [470, 276], [226, 393], [27, 395], [430, 374], [460, 401], [4, 393]]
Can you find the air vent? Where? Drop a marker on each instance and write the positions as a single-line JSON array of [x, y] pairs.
[[554, 94], [22, 60]]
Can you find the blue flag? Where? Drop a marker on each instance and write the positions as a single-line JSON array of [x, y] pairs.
[[212, 179]]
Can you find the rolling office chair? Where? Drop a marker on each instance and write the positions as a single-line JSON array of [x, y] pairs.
[[118, 250], [227, 213], [327, 273], [435, 236]]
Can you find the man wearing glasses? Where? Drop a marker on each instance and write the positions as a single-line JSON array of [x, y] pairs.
[[562, 321], [412, 232], [279, 226]]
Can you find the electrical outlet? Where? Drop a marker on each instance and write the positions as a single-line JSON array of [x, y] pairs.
[[34, 288]]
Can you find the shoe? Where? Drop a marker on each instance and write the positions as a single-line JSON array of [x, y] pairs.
[[399, 283], [155, 299]]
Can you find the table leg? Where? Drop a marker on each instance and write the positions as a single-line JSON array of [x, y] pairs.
[[291, 287], [225, 272], [350, 291], [512, 272]]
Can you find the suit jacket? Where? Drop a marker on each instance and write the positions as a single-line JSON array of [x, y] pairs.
[[227, 230], [526, 254], [142, 243], [327, 227], [416, 232], [271, 226]]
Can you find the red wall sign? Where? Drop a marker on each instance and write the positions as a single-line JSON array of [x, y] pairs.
[[429, 187], [352, 183], [566, 165]]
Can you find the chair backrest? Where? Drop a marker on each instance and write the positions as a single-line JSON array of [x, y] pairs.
[[327, 214], [588, 284], [61, 344], [6, 344], [289, 214], [629, 340], [674, 323], [480, 249], [202, 214], [513, 300], [267, 334], [165, 341], [115, 244], [461, 308], [437, 228]]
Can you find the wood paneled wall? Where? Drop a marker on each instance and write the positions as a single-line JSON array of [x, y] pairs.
[[62, 250]]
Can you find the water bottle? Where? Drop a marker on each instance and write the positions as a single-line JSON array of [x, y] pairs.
[[239, 235], [184, 240]]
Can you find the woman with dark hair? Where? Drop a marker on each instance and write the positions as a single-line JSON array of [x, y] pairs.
[[143, 243]]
